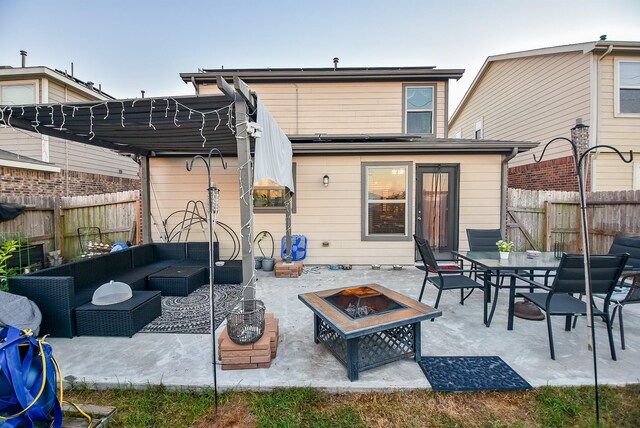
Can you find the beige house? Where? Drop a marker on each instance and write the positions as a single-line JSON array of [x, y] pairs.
[[537, 95], [63, 167], [372, 160]]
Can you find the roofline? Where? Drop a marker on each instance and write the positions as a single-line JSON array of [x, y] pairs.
[[41, 71], [337, 145], [352, 74], [28, 165], [577, 47]]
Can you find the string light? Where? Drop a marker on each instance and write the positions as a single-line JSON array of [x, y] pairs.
[[151, 115], [107, 106], [10, 114], [166, 111], [64, 117], [122, 114], [51, 114], [91, 133], [37, 120], [175, 116]]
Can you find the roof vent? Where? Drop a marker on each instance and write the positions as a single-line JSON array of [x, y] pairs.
[[23, 54], [603, 37], [336, 60]]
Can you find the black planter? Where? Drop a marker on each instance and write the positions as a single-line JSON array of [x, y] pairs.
[[27, 256]]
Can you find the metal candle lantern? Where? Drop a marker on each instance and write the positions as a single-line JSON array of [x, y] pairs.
[[245, 322]]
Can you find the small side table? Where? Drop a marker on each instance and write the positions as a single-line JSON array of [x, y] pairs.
[[121, 319], [177, 280]]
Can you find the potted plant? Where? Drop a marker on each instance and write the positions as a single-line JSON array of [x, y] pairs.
[[6, 251], [504, 247]]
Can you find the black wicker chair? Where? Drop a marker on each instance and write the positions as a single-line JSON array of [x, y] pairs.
[[569, 280], [453, 279]]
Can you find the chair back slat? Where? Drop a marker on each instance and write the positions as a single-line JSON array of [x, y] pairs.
[[426, 254], [483, 239], [627, 244], [605, 272]]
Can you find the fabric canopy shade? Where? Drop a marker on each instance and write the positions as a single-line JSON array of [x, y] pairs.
[[142, 126]]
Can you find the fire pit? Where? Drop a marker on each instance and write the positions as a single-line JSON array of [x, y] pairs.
[[358, 302], [367, 326]]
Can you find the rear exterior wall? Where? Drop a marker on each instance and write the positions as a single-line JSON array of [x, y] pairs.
[[330, 214]]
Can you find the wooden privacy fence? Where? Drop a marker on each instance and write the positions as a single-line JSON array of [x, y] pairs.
[[539, 219], [54, 221]]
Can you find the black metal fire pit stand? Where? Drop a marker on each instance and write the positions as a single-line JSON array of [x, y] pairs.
[[371, 350]]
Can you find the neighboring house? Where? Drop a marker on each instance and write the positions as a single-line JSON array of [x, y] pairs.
[[373, 164], [73, 168], [537, 95]]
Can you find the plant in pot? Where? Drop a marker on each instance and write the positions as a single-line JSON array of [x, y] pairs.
[[6, 251], [504, 247]]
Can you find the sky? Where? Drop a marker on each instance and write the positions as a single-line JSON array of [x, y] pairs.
[[133, 45]]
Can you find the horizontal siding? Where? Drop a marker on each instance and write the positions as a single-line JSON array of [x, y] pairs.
[[620, 132], [56, 93], [21, 143], [612, 174], [317, 215], [91, 159], [530, 99], [340, 108]]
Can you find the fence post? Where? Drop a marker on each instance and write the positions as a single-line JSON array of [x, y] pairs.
[[58, 225], [547, 225]]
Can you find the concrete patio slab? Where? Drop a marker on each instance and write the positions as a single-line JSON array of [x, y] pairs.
[[184, 360]]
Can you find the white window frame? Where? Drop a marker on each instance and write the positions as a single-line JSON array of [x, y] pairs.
[[36, 88], [405, 89], [406, 236], [636, 176], [479, 127], [617, 88]]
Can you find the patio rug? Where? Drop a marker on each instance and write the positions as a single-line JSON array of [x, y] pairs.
[[190, 314], [471, 374]]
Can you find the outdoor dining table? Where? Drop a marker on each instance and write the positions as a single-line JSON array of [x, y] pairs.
[[495, 267]]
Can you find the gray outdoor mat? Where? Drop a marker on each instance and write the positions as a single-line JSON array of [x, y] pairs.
[[190, 314]]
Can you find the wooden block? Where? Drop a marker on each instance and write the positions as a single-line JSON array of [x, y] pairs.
[[236, 360], [246, 353], [239, 366], [292, 270], [261, 359]]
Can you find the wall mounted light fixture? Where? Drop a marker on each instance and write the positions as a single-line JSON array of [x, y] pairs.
[[325, 180]]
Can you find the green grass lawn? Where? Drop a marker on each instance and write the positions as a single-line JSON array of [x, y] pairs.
[[306, 407]]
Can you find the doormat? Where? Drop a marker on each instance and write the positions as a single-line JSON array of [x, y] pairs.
[[190, 314], [458, 374]]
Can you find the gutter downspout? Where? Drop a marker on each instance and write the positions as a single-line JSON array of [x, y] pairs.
[[596, 135], [503, 191]]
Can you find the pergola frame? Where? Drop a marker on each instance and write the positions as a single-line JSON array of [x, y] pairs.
[[172, 126]]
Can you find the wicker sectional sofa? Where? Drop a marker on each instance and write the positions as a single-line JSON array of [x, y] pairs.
[[59, 290]]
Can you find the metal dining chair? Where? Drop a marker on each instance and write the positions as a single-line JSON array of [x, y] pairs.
[[453, 279], [559, 300]]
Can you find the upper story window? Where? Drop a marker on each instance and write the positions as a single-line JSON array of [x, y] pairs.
[[479, 133], [418, 109], [17, 94], [268, 197], [628, 87], [386, 201]]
